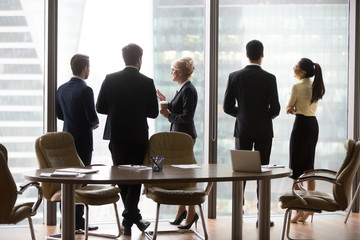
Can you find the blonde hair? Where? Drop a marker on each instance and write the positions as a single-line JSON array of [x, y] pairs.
[[186, 65]]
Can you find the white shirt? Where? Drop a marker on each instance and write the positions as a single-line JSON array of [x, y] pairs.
[[300, 97]]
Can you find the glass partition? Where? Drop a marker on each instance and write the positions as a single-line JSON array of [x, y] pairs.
[[21, 86], [289, 31]]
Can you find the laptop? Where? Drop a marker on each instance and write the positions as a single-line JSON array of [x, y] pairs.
[[246, 161]]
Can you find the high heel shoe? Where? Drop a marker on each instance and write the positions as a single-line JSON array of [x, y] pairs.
[[307, 214], [299, 217], [188, 226], [179, 219]]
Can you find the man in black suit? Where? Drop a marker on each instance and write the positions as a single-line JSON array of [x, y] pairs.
[[128, 98], [251, 97], [75, 106]]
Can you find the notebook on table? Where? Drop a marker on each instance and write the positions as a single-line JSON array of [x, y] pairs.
[[246, 161]]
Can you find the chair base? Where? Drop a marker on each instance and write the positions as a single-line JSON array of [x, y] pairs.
[[152, 235], [87, 233], [287, 219]]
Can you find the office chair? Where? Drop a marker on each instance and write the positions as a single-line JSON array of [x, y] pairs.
[[176, 148], [317, 201], [57, 150], [9, 212]]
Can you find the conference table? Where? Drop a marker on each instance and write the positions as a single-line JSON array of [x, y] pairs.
[[170, 174]]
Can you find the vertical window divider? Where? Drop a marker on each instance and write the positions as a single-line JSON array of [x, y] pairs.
[[51, 33], [354, 81], [211, 94]]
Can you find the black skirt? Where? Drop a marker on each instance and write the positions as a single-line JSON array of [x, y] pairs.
[[303, 140]]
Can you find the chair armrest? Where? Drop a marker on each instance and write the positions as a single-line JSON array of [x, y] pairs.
[[317, 171], [308, 178], [208, 188], [39, 197]]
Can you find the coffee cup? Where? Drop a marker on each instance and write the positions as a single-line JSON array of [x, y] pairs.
[[163, 105]]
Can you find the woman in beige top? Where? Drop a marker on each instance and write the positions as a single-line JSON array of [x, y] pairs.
[[304, 136]]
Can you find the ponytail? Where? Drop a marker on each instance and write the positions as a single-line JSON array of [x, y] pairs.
[[318, 88]]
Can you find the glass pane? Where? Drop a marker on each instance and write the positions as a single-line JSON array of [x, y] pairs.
[[166, 30], [289, 31], [21, 83]]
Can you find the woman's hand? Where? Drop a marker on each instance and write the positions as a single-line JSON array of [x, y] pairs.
[[165, 112], [160, 96], [290, 110]]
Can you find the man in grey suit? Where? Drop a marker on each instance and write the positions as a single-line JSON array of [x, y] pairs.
[[128, 98], [251, 97]]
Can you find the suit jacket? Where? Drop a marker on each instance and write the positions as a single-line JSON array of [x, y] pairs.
[[182, 108], [75, 106], [251, 96], [128, 98]]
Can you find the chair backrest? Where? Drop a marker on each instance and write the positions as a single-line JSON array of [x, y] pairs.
[[8, 188], [176, 148], [345, 175], [53, 150]]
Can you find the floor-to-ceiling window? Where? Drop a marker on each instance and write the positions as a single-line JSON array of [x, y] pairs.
[[166, 30], [21, 84], [289, 31]]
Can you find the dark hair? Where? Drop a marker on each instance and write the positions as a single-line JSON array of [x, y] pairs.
[[313, 69], [254, 49], [78, 62], [131, 53]]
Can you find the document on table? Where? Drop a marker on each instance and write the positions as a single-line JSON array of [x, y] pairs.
[[62, 174], [77, 170], [135, 167], [272, 166], [186, 166]]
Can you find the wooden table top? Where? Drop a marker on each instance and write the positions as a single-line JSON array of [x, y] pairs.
[[114, 174]]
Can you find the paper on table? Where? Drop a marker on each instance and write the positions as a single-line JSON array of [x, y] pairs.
[[62, 174], [186, 166], [77, 170], [272, 166], [135, 167]]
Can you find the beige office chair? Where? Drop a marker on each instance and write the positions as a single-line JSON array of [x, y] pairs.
[[176, 148], [9, 212], [57, 150], [317, 201]]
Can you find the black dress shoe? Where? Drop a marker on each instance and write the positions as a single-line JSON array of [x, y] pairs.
[[142, 224], [127, 231], [179, 219], [271, 223], [82, 227]]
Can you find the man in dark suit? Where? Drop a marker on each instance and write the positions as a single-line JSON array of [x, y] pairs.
[[75, 106], [251, 97], [128, 98]]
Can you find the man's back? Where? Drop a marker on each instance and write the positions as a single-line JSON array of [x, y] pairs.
[[255, 92], [128, 98], [75, 105]]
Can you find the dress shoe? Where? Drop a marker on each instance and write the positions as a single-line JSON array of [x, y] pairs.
[[271, 223], [142, 224], [126, 231], [188, 226], [179, 219], [82, 227]]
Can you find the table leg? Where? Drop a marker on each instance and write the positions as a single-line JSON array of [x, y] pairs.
[[264, 209], [237, 210], [67, 211]]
